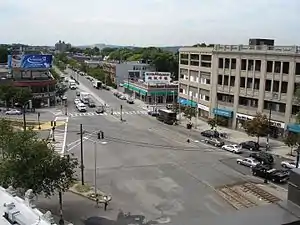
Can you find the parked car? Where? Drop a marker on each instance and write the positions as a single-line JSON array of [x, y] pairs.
[[122, 97], [91, 104], [76, 101], [214, 141], [100, 109], [210, 134], [263, 171], [263, 157], [153, 113], [130, 100], [117, 94], [13, 112], [250, 162], [81, 107], [232, 148], [251, 145], [289, 164]]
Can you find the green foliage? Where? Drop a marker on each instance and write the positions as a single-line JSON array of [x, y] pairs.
[[292, 140], [29, 163], [22, 95], [99, 74], [258, 126], [9, 93], [61, 89], [212, 122], [82, 188], [3, 54], [189, 112], [55, 74]]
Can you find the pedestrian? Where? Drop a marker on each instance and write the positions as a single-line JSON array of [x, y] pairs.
[[105, 205]]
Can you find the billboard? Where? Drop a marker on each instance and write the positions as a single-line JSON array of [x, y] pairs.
[[158, 77], [32, 61]]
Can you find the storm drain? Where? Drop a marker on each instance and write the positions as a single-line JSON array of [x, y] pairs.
[[246, 195]]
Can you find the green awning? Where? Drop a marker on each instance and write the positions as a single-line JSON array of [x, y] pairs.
[[162, 93], [135, 89]]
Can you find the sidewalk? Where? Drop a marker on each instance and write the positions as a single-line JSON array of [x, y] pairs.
[[277, 147]]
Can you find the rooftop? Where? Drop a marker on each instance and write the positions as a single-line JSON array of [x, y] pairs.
[[19, 211]]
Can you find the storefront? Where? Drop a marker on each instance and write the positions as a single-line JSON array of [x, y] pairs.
[[186, 102], [224, 115], [294, 128], [276, 127], [203, 111]]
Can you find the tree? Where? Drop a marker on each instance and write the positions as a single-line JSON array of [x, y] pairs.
[[292, 140], [3, 54], [258, 126], [189, 112], [22, 96], [61, 89], [212, 122], [7, 93], [29, 163]]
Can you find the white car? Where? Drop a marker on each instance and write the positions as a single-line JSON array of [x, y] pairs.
[[76, 101], [233, 148], [81, 107], [13, 112], [289, 164], [250, 162], [122, 97]]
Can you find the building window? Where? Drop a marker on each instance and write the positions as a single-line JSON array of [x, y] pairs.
[[268, 85], [184, 62], [269, 66], [206, 57], [227, 63], [284, 87], [249, 102], [195, 57], [220, 79], [233, 64], [180, 90], [206, 64], [184, 56], [297, 69], [243, 82], [275, 107], [285, 67], [250, 64], [256, 83], [277, 67], [225, 98], [275, 86], [221, 62], [257, 65], [206, 98], [194, 63], [226, 79], [244, 64], [249, 82], [232, 81], [207, 81]]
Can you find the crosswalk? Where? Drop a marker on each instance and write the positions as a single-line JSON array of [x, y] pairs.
[[60, 135], [117, 113]]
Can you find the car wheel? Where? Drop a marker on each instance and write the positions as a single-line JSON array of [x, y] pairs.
[[238, 162]]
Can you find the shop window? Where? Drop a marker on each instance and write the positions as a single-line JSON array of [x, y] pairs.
[[220, 79], [256, 83], [284, 87], [221, 62], [227, 63], [286, 67], [277, 67], [250, 64], [268, 85], [243, 82], [269, 66], [297, 69], [249, 82], [233, 64], [244, 64], [257, 65], [232, 81], [275, 86], [226, 79]]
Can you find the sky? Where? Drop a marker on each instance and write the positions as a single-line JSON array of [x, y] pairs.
[[149, 22]]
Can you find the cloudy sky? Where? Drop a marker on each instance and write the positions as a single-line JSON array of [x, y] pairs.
[[148, 22]]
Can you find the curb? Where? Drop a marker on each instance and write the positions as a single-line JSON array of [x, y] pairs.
[[85, 194]]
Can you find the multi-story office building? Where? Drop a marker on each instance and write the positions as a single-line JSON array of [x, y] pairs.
[[61, 46], [235, 82]]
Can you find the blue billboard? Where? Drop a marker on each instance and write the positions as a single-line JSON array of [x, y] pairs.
[[32, 61]]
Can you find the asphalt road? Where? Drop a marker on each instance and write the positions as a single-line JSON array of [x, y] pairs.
[[148, 167]]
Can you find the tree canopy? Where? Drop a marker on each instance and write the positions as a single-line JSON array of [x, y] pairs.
[[3, 54], [258, 126], [9, 93], [30, 163]]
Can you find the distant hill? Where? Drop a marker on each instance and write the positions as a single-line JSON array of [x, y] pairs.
[[101, 46]]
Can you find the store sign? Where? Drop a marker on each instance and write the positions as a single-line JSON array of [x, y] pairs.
[[43, 95], [203, 107], [273, 123], [158, 77]]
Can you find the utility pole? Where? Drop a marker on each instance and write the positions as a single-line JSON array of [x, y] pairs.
[[81, 155], [53, 125], [269, 126], [95, 174], [121, 111], [38, 116], [24, 116]]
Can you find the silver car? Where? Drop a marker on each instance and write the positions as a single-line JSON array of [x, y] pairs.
[[13, 112], [250, 162], [289, 164]]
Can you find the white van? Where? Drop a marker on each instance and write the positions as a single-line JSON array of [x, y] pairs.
[[81, 107]]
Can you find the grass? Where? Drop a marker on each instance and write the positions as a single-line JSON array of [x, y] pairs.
[[82, 188]]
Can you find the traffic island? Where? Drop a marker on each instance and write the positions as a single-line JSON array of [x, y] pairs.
[[89, 192]]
